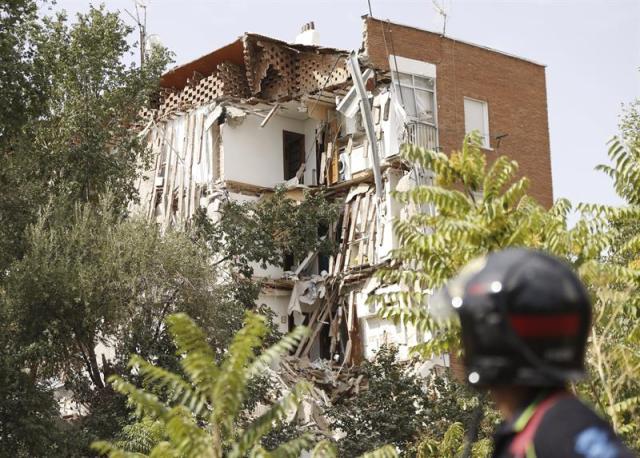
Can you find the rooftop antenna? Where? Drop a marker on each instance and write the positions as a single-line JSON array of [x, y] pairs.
[[140, 19], [442, 12], [370, 13]]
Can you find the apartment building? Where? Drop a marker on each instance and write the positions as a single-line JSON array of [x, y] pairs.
[[261, 113]]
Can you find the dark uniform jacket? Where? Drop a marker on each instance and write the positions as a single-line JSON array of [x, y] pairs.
[[557, 425]]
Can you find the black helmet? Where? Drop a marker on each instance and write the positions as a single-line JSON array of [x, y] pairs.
[[525, 318]]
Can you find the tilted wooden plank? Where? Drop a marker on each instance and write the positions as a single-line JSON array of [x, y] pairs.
[[171, 183], [186, 144], [370, 229], [167, 169], [196, 143], [343, 238], [373, 227], [362, 227], [200, 136], [154, 191], [354, 220], [323, 167], [312, 322]]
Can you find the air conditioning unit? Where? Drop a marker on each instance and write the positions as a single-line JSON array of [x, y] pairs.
[[344, 167]]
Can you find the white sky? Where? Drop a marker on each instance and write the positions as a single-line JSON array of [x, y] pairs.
[[591, 49]]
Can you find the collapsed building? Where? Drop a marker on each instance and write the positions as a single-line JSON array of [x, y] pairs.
[[261, 113]]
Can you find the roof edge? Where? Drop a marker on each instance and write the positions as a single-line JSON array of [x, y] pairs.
[[469, 43]]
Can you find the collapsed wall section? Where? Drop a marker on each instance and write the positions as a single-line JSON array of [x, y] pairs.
[[222, 132], [271, 71]]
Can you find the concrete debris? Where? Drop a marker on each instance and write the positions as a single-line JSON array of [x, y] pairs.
[[331, 381], [307, 293]]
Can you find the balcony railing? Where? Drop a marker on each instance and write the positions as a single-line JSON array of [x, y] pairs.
[[422, 134]]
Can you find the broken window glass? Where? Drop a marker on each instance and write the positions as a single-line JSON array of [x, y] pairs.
[[417, 96]]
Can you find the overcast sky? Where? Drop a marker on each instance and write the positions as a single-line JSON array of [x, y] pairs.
[[591, 49]]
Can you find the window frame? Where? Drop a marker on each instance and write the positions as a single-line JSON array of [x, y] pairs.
[[486, 135], [398, 84], [288, 137]]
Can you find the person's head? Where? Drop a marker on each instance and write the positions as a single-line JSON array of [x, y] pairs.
[[525, 318]]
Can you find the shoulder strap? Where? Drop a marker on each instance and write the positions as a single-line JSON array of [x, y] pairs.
[[522, 444]]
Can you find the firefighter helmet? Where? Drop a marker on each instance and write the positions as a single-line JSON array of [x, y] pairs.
[[525, 318]]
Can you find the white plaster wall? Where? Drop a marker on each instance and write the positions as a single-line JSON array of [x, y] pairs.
[[393, 211], [359, 158], [278, 301], [310, 173], [255, 155], [377, 331]]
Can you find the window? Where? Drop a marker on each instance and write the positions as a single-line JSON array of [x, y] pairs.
[[293, 152], [476, 117], [416, 93]]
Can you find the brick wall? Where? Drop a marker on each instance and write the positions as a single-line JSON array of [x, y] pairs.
[[514, 89]]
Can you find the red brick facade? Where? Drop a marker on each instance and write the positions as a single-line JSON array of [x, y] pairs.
[[514, 89]]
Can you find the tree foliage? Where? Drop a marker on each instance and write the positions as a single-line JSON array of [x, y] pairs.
[[418, 415], [268, 231], [28, 411], [79, 277], [392, 410], [68, 106], [67, 103], [104, 278], [615, 351], [477, 208], [200, 417]]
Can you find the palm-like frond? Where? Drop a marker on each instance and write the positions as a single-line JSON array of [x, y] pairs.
[[263, 424], [479, 210], [229, 390], [625, 169], [198, 360], [177, 388], [200, 414]]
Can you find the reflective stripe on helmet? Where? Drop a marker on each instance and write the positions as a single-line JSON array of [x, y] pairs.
[[529, 325]]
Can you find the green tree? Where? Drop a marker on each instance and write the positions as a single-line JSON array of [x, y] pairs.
[[420, 416], [66, 107], [104, 279], [479, 208], [200, 419], [614, 355], [392, 410], [23, 85], [68, 104], [268, 231], [453, 407], [28, 411]]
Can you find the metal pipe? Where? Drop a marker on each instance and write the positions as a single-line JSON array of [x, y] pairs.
[[365, 109]]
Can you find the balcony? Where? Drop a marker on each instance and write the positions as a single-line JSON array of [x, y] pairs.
[[421, 134]]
